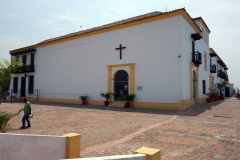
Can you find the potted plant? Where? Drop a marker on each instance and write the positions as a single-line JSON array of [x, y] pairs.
[[221, 87], [238, 92], [106, 96], [84, 98], [212, 94], [129, 98], [209, 97]]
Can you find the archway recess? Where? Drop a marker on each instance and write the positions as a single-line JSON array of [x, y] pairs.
[[194, 69], [121, 86], [112, 70]]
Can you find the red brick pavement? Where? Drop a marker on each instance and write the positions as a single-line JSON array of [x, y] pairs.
[[205, 131]]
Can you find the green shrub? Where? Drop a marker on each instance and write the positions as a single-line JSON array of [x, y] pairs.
[[106, 95], [4, 118]]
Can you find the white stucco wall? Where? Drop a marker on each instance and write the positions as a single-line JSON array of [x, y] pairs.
[[118, 157], [29, 147], [186, 56], [201, 46], [66, 70]]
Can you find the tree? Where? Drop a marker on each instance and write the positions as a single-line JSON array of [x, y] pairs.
[[5, 75]]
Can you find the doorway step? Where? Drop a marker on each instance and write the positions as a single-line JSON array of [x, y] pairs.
[[117, 104]]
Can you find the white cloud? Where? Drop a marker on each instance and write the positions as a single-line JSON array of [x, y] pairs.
[[11, 15], [45, 21], [70, 16], [10, 42], [124, 8]]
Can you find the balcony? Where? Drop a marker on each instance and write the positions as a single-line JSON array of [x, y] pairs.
[[197, 58], [223, 76], [24, 68], [213, 68], [219, 73]]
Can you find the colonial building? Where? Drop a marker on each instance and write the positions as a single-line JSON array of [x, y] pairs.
[[163, 57]]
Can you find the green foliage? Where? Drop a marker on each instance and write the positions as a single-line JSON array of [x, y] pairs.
[[83, 98], [5, 74], [237, 90], [213, 93], [221, 86], [4, 118], [130, 97], [106, 95]]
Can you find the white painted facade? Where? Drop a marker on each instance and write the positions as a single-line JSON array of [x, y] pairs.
[[68, 69]]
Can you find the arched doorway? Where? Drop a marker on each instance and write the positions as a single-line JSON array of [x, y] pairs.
[[195, 86], [120, 85]]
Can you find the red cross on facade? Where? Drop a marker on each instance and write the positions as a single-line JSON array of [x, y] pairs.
[[120, 48]]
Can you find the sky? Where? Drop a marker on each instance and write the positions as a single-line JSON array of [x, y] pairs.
[[27, 22]]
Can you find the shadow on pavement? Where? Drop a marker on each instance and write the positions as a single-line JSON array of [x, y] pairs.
[[194, 110]]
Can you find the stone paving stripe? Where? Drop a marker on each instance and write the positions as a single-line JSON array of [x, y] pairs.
[[126, 138]]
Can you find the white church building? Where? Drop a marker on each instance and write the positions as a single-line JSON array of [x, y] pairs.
[[162, 57]]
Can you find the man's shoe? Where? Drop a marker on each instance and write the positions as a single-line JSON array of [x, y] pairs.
[[22, 127], [28, 126]]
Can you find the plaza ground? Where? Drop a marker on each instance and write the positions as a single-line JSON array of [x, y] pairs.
[[204, 131]]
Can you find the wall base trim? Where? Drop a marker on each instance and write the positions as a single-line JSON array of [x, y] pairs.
[[201, 100], [183, 105]]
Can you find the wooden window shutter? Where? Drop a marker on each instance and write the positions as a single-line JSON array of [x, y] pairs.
[[24, 59], [30, 84], [15, 85], [204, 87], [32, 59]]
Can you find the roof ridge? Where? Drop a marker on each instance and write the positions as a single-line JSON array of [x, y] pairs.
[[116, 23]]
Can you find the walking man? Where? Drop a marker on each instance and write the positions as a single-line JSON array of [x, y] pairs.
[[27, 112]]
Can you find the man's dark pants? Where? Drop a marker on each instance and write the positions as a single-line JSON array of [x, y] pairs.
[[25, 118]]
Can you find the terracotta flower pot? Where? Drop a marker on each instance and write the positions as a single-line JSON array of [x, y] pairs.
[[4, 99], [208, 100], [212, 99], [215, 98], [84, 102], [221, 97], [127, 105], [106, 103]]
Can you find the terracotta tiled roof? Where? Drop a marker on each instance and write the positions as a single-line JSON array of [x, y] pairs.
[[218, 56], [144, 16]]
